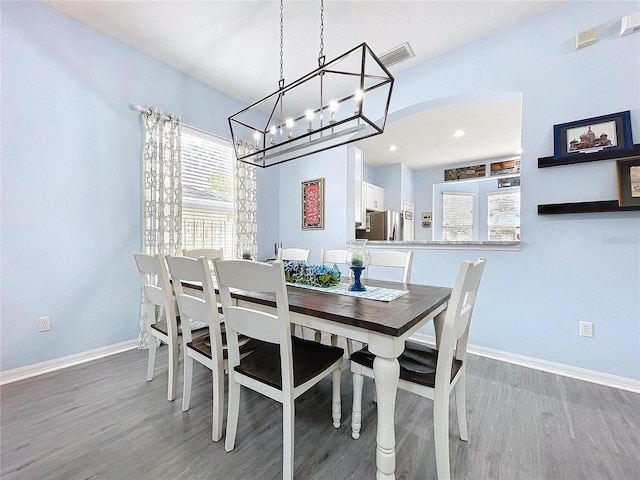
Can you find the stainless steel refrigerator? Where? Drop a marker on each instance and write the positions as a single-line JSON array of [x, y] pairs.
[[383, 226]]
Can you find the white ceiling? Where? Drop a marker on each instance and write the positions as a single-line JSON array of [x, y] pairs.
[[234, 45]]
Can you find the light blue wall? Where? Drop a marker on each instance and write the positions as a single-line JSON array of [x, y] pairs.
[[71, 179], [71, 186], [330, 165], [570, 267]]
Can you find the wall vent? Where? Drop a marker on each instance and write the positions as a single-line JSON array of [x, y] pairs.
[[396, 55], [630, 24], [586, 38]]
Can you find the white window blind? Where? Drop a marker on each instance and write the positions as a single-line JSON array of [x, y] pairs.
[[457, 215], [504, 215], [207, 191]]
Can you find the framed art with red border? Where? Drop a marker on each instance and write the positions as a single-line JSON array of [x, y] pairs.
[[313, 204]]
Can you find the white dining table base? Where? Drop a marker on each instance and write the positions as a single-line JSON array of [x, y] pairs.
[[386, 371]]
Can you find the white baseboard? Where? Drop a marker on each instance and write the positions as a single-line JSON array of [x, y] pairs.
[[578, 373], [28, 371], [592, 376]]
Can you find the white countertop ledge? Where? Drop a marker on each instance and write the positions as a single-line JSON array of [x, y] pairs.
[[513, 246]]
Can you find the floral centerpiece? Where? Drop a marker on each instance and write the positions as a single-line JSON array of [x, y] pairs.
[[309, 274]]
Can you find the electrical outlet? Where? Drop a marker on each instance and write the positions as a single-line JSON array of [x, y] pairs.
[[586, 329], [44, 324]]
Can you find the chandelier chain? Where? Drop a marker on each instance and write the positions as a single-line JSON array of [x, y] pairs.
[[281, 43], [321, 56]]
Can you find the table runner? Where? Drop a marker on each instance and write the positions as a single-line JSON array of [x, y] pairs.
[[372, 293]]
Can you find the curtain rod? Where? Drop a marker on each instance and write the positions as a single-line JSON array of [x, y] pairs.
[[141, 109]]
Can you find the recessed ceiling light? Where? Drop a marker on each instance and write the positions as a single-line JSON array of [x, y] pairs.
[[459, 133], [392, 148]]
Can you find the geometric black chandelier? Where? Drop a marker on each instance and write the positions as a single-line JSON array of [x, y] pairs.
[[343, 101]]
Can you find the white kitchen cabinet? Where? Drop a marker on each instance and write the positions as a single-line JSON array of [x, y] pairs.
[[374, 197], [359, 190]]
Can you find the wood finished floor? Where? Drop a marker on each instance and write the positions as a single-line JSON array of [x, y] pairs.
[[102, 420]]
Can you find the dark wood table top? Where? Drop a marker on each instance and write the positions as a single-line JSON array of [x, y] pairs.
[[390, 318]]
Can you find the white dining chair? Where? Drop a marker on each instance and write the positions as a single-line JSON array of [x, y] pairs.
[[432, 373], [209, 349], [333, 257], [208, 253], [282, 369], [162, 315], [298, 255], [390, 259], [294, 254], [338, 257]]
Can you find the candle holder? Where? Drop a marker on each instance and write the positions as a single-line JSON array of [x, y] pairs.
[[245, 251], [357, 260], [356, 286]]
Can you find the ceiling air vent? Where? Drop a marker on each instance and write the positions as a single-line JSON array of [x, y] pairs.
[[396, 55]]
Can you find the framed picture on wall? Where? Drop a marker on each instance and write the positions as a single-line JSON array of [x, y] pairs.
[[473, 171], [598, 138], [629, 182], [313, 204]]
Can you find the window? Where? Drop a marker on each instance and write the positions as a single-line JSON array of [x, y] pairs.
[[457, 216], [504, 215], [207, 191]]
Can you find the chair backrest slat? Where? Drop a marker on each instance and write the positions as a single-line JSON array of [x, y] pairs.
[[331, 257], [389, 258], [294, 254]]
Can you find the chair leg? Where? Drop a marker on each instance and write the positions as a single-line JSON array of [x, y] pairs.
[[441, 434], [336, 403], [153, 346], [349, 346], [318, 336], [174, 353], [288, 437], [334, 340], [461, 407], [187, 381], [356, 409], [233, 410], [217, 376]]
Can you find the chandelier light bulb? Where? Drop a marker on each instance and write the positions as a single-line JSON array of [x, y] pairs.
[[290, 123], [310, 116], [333, 107], [358, 96]]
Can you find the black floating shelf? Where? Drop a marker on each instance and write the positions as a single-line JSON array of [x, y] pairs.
[[591, 157], [584, 207]]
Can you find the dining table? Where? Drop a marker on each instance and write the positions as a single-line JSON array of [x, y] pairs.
[[382, 325]]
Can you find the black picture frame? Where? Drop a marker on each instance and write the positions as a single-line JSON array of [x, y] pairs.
[[629, 182], [598, 138]]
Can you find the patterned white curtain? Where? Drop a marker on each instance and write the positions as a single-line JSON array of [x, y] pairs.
[[162, 195], [246, 207]]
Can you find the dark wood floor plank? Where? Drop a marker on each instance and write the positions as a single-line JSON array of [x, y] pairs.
[[102, 420]]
